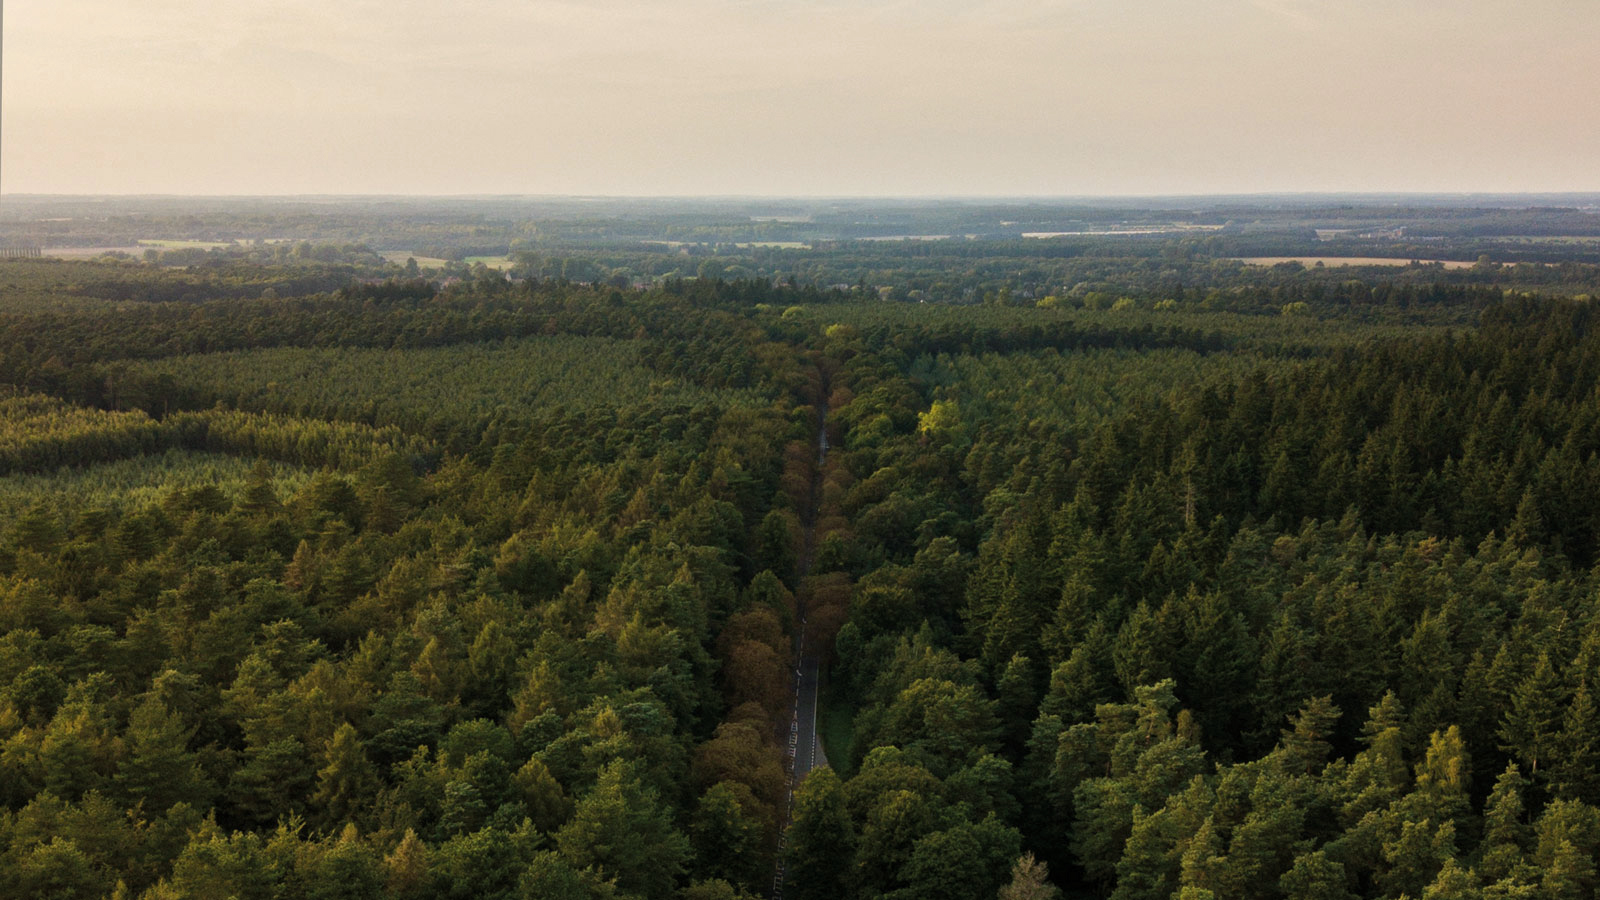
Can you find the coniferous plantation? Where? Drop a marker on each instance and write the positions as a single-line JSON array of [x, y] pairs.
[[1128, 572]]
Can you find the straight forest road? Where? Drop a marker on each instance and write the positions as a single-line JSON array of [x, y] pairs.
[[808, 747], [808, 752], [805, 748]]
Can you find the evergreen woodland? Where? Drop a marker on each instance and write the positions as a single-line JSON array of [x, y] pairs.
[[492, 589]]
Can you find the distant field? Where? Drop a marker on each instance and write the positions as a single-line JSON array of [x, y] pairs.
[[1351, 261], [426, 262], [187, 245], [905, 237], [91, 252], [139, 481], [433, 262], [1118, 232], [136, 250]]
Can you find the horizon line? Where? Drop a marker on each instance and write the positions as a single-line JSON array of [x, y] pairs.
[[1178, 195]]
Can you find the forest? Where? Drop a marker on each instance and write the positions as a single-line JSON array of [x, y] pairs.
[[1130, 572]]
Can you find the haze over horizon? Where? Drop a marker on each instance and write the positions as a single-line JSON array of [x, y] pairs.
[[1060, 98]]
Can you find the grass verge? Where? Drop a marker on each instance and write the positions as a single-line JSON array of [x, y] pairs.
[[837, 730]]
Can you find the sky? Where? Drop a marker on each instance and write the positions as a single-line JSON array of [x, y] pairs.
[[800, 97]]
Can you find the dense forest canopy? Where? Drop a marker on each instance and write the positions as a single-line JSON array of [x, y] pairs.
[[1130, 570]]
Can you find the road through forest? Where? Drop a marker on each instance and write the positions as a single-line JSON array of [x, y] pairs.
[[805, 748]]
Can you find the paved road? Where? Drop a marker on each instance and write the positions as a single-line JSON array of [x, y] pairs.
[[805, 748], [808, 746]]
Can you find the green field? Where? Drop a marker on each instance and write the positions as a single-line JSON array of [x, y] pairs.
[[502, 263], [836, 727], [186, 245], [426, 262]]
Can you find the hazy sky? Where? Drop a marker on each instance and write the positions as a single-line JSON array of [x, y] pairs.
[[800, 96]]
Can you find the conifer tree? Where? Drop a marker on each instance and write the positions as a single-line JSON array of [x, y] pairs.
[[347, 780], [1532, 721], [621, 829], [1314, 876], [157, 767], [542, 795], [1015, 701], [406, 867], [1505, 833], [1454, 883], [1575, 773], [1305, 747]]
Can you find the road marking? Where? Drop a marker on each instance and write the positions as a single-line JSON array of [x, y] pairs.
[[793, 759]]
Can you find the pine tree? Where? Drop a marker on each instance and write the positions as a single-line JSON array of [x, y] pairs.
[[1527, 529], [1140, 654], [1202, 859], [1505, 834], [1532, 723], [1015, 701], [1415, 856], [1081, 683], [1442, 780], [347, 780], [1305, 746], [158, 768], [622, 830], [539, 791], [407, 866], [1570, 874], [1287, 675], [1148, 868], [1575, 772], [1568, 838], [1454, 883], [259, 498], [1262, 847], [1104, 811], [1218, 663], [1314, 876], [59, 868]]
